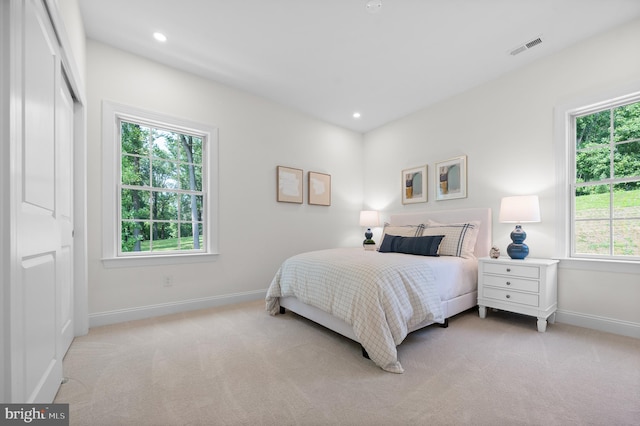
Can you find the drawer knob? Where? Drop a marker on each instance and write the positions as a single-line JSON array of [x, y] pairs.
[[508, 269], [508, 296], [508, 282]]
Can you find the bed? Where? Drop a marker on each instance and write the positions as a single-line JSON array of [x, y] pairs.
[[377, 298]]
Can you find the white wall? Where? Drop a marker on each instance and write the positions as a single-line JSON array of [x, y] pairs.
[[256, 232], [505, 128]]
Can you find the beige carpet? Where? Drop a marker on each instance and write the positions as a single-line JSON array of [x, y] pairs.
[[239, 366]]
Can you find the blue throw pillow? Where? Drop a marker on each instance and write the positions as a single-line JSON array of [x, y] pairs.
[[423, 246]]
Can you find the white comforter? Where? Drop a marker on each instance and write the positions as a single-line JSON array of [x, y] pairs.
[[381, 295]]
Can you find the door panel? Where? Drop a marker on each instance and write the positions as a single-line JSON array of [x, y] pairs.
[[40, 332], [39, 87]]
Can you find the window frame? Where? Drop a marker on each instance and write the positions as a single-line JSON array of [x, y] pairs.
[[610, 181], [564, 138], [112, 114]]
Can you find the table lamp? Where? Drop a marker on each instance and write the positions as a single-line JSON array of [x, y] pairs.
[[369, 218]]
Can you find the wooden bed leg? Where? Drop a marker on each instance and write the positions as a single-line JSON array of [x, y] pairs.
[[282, 310], [445, 324], [364, 353]]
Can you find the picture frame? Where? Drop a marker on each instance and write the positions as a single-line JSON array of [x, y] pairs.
[[451, 178], [319, 188], [414, 185], [289, 185]]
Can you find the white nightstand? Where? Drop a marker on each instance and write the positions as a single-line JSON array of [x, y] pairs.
[[528, 287]]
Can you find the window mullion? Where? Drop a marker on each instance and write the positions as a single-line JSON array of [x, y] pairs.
[[612, 175], [151, 185], [611, 210]]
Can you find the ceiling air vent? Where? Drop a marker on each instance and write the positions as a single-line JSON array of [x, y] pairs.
[[526, 46]]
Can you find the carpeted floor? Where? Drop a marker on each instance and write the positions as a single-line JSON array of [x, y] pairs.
[[239, 366]]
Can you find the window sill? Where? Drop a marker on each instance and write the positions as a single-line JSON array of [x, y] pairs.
[[168, 259], [618, 266]]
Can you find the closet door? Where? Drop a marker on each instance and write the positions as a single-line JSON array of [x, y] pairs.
[[37, 294]]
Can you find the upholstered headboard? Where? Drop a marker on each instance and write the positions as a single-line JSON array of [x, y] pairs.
[[483, 215]]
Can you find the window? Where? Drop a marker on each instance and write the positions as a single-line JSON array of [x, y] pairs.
[[161, 192], [605, 193], [159, 187]]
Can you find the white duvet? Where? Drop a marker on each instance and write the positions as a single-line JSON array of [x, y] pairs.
[[381, 295]]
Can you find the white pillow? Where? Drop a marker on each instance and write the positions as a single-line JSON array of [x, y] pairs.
[[459, 238], [402, 230]]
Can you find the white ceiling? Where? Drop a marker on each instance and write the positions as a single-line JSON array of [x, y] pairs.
[[329, 58]]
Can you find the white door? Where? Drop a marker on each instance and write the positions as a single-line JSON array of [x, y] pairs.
[[42, 323]]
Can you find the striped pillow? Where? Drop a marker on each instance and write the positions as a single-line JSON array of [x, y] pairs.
[[402, 230], [459, 238]]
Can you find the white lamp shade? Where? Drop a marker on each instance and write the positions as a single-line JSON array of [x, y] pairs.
[[369, 218], [520, 209]]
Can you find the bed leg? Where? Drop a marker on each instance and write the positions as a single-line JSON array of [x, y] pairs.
[[445, 324], [364, 352], [282, 310]]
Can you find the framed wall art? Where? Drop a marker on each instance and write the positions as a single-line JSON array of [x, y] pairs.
[[414, 185], [289, 182], [319, 187], [451, 178]]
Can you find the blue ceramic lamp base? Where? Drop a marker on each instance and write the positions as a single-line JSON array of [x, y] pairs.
[[518, 249]]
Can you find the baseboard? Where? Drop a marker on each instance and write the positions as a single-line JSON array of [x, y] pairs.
[[624, 328], [142, 312]]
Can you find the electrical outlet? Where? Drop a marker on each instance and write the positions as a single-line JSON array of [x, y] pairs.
[[167, 281]]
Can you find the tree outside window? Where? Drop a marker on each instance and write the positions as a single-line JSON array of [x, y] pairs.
[[161, 195], [606, 213]]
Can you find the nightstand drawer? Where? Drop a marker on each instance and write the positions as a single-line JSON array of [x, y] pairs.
[[511, 296], [512, 270], [511, 282]]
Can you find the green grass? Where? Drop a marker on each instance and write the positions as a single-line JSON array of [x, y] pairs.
[[169, 244], [601, 201], [592, 237]]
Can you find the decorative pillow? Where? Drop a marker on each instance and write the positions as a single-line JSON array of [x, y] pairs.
[[459, 238], [402, 230], [424, 246]]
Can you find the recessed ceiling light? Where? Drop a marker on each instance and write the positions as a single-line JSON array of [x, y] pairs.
[[356, 115], [160, 37]]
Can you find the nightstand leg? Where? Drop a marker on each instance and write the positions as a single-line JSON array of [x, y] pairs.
[[542, 325], [482, 310], [552, 318]]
